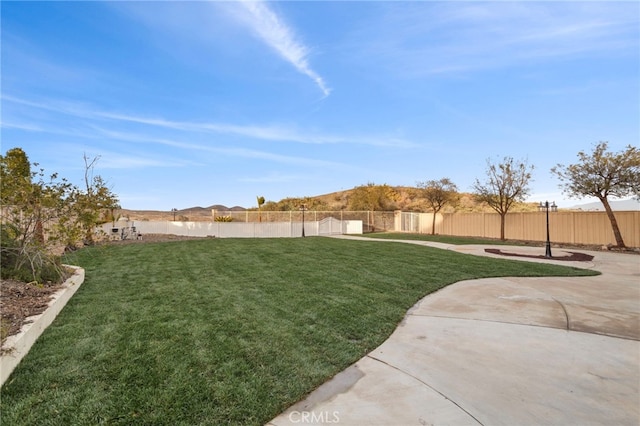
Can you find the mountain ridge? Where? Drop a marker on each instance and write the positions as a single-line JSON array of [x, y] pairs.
[[337, 200]]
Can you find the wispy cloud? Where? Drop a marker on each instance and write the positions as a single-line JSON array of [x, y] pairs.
[[274, 133], [274, 178], [436, 38], [116, 160], [232, 152], [271, 133], [273, 30], [213, 23]]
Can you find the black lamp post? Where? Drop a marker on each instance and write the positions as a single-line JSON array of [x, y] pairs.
[[174, 210], [545, 207], [303, 208]]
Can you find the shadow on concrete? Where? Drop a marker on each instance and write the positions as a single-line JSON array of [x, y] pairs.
[[573, 256]]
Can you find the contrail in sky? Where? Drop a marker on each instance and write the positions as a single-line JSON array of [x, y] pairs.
[[280, 37]]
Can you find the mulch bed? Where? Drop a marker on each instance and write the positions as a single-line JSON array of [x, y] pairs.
[[573, 257], [19, 301]]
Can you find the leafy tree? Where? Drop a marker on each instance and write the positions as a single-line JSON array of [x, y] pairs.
[[603, 174], [15, 172], [507, 182], [438, 193], [29, 201]]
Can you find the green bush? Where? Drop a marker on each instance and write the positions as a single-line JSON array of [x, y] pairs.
[[41, 214], [9, 248], [27, 262]]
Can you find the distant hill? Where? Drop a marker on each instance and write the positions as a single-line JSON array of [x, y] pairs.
[[407, 200], [617, 205], [195, 214]]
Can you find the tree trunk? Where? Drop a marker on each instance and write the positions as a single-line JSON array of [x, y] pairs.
[[39, 232], [502, 217], [433, 224], [614, 222]]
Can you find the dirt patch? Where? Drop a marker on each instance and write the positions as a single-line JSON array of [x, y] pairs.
[[573, 256], [19, 301]]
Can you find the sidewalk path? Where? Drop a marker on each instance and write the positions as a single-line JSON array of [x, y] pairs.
[[500, 351]]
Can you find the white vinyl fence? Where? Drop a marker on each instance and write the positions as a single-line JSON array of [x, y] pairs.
[[327, 226]]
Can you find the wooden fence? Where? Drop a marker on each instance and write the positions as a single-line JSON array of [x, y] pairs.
[[574, 227]]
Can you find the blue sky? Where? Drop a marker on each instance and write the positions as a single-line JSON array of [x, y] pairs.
[[201, 103]]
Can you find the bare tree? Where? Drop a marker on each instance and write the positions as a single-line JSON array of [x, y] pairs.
[[507, 182], [438, 194], [603, 174], [94, 205]]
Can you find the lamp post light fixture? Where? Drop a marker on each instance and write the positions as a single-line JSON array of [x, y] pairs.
[[303, 208], [545, 207], [174, 210]]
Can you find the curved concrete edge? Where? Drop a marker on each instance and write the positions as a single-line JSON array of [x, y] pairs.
[[546, 350], [18, 345], [353, 397]]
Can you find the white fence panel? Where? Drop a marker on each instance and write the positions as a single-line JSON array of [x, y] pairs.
[[330, 226], [310, 228], [410, 222], [150, 227], [272, 229], [352, 227], [234, 230]]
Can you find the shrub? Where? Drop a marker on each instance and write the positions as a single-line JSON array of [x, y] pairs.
[[40, 215], [223, 219], [29, 261]]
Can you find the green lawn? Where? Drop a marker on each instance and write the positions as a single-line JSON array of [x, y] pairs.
[[224, 331]]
